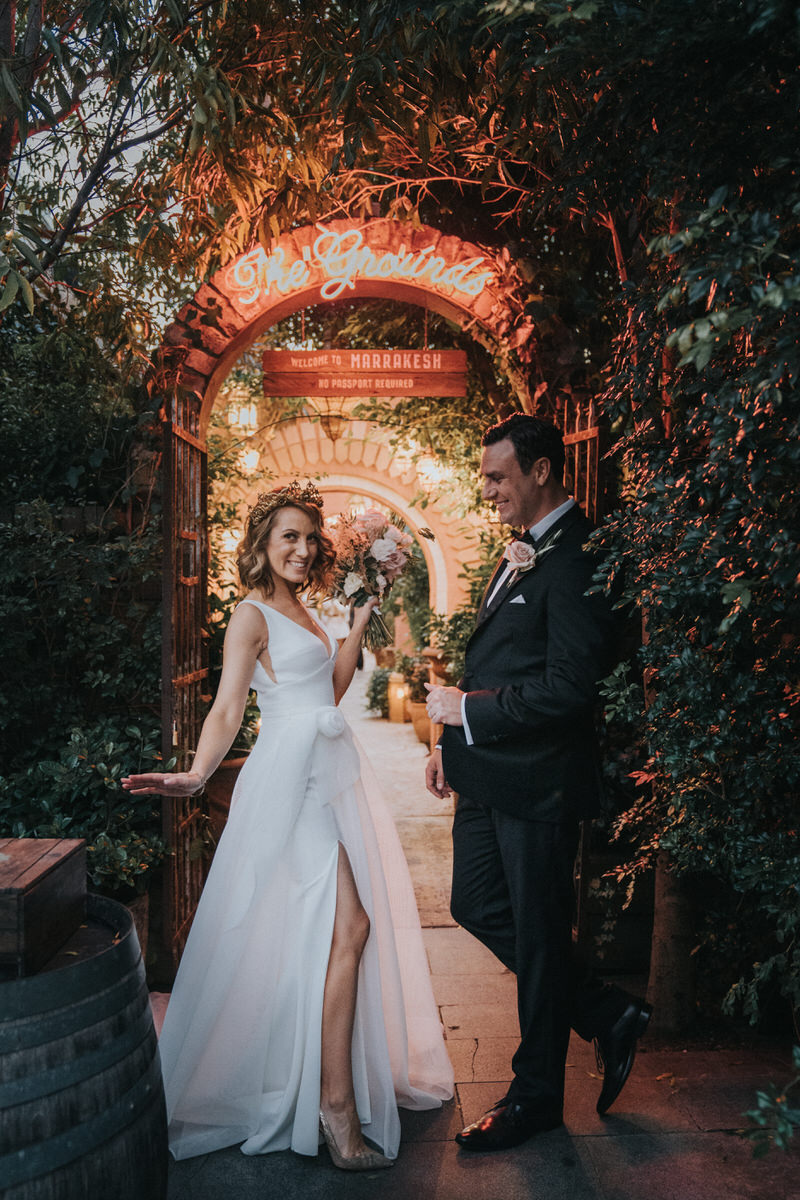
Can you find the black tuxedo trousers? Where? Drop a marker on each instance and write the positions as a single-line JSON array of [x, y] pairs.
[[513, 889]]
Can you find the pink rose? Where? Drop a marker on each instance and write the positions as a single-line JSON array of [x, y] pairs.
[[372, 522], [520, 556], [403, 539], [394, 564], [388, 554]]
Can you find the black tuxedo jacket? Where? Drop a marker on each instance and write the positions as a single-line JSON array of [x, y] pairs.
[[532, 666]]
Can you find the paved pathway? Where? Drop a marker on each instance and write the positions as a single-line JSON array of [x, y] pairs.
[[671, 1136]]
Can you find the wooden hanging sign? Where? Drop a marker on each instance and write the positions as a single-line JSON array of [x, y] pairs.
[[365, 373]]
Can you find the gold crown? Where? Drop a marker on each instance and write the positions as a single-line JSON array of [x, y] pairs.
[[280, 498]]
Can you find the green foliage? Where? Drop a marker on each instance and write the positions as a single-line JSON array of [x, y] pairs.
[[377, 696], [78, 795], [79, 600], [67, 414], [415, 671], [413, 589], [450, 634], [707, 539], [85, 95], [776, 1116]]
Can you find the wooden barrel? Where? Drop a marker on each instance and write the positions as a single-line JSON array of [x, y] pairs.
[[82, 1112]]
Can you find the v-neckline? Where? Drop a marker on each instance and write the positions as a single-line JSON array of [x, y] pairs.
[[297, 624]]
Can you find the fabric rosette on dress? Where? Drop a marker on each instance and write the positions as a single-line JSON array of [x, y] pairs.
[[330, 722]]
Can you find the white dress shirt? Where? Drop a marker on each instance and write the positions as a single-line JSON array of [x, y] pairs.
[[536, 531]]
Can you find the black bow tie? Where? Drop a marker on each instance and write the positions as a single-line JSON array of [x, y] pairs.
[[526, 537]]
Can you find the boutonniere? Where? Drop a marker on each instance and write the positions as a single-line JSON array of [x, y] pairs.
[[522, 557]]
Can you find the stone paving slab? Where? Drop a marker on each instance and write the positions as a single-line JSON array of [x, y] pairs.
[[647, 1104], [471, 1020], [436, 1125], [427, 842], [482, 1060], [691, 1166], [477, 1098], [715, 1087], [476, 989], [456, 952]]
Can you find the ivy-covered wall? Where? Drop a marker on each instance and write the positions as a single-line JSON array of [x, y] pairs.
[[79, 597]]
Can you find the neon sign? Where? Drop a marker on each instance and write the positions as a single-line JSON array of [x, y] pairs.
[[342, 258]]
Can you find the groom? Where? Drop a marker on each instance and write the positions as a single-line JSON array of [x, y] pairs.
[[519, 748]]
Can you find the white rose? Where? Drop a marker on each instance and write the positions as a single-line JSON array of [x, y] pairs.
[[330, 722], [352, 583], [383, 548]]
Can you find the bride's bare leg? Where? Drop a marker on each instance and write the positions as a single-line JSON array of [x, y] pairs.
[[350, 932]]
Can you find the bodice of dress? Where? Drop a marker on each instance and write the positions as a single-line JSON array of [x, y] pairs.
[[301, 679]]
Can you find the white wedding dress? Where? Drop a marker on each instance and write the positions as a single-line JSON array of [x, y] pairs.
[[240, 1045]]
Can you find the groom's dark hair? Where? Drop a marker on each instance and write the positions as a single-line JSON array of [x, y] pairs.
[[532, 438]]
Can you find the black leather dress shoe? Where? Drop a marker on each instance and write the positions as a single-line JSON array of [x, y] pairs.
[[507, 1124], [616, 1051]]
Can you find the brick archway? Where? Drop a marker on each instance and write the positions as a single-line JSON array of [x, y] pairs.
[[383, 259]]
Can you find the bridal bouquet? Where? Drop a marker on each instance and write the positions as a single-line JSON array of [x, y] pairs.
[[371, 552]]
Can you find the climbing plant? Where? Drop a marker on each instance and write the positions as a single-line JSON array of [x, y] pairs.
[[79, 601]]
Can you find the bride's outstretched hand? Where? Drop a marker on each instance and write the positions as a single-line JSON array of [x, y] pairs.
[[179, 783]]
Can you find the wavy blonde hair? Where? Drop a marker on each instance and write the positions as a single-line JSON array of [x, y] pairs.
[[252, 558]]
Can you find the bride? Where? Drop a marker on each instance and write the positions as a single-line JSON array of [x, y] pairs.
[[302, 1009]]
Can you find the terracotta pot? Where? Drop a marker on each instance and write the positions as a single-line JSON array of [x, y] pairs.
[[418, 715], [219, 790]]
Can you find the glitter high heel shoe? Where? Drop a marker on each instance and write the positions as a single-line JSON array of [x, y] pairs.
[[369, 1160]]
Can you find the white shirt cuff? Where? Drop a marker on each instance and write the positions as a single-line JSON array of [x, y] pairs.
[[464, 720]]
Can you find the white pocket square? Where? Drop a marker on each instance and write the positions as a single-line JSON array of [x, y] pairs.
[[517, 600]]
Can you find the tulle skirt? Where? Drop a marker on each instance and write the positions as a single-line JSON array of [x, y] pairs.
[[241, 1040]]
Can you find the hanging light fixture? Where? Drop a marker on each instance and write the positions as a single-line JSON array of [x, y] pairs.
[[332, 414]]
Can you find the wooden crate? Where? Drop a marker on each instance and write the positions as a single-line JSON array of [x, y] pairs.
[[42, 899]]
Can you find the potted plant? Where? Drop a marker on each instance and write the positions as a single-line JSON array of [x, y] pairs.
[[377, 697], [415, 672]]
